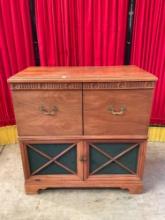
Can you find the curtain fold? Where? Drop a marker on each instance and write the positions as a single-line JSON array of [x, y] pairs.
[[81, 32], [16, 50], [148, 49]]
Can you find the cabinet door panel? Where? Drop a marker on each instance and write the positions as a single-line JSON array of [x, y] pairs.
[[55, 159], [107, 159], [48, 113], [102, 153], [116, 112]]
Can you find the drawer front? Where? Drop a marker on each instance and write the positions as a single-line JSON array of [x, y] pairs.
[[46, 113], [116, 112]]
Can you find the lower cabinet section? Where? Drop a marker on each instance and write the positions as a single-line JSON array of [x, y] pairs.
[[87, 163]]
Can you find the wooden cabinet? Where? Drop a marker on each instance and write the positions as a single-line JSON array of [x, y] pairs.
[[83, 126]]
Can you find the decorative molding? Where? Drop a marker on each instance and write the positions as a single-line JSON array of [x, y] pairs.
[[120, 85], [45, 86], [88, 85]]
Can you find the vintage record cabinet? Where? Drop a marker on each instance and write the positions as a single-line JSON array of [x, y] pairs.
[[82, 126]]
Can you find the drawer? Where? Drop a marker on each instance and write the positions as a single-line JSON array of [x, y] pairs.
[[116, 112], [48, 112]]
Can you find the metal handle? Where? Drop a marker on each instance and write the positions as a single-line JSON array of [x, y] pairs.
[[52, 112], [114, 112], [83, 158]]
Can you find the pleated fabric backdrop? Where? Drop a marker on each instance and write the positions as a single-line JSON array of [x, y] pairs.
[[81, 32], [148, 49], [16, 50]]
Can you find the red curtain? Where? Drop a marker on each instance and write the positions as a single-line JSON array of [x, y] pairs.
[[148, 49], [81, 32], [16, 51]]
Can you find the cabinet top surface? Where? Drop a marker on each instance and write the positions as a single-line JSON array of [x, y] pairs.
[[82, 74]]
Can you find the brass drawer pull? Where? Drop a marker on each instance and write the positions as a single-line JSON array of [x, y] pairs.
[[114, 112], [47, 112]]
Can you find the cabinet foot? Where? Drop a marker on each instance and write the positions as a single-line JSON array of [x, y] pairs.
[[135, 189], [31, 189]]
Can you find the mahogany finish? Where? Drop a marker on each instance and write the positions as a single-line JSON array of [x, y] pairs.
[[82, 106]]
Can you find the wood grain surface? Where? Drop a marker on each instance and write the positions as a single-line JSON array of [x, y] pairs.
[[82, 74]]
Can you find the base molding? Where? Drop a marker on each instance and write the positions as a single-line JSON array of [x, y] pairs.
[[134, 187]]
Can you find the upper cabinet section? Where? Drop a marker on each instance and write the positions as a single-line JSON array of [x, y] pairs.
[[56, 101]]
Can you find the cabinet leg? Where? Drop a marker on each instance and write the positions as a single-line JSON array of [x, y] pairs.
[[137, 189], [31, 189]]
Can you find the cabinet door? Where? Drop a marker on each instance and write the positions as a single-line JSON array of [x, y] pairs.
[[107, 159], [57, 160], [116, 112], [48, 113]]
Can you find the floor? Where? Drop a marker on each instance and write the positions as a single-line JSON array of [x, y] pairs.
[[82, 204]]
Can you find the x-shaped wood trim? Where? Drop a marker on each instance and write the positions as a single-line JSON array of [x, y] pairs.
[[113, 159], [52, 159]]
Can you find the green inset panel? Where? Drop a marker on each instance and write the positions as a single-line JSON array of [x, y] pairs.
[[69, 159], [97, 159]]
